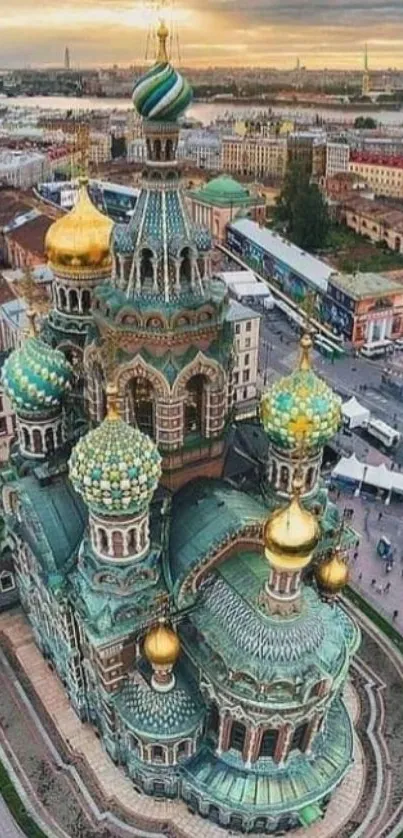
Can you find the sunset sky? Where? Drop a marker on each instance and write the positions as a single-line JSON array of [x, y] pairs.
[[322, 33]]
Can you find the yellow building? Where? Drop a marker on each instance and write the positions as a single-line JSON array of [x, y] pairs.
[[254, 156], [384, 175]]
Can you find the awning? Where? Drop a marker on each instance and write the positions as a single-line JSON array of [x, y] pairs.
[[310, 814], [355, 413]]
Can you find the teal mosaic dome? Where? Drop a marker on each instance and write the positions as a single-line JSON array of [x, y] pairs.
[[301, 407], [162, 94], [160, 715], [36, 377], [115, 468]]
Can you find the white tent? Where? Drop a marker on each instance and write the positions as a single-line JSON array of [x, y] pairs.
[[349, 468], [354, 414]]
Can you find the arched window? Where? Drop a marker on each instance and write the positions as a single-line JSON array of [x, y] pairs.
[[63, 299], [274, 473], [132, 541], [73, 300], [86, 301], [158, 753], [140, 405], [214, 720], [59, 435], [157, 149], [146, 266], [117, 543], [37, 440], [182, 749], [284, 478], [268, 743], [185, 273], [169, 150], [27, 439], [195, 405], [397, 244], [238, 733], [104, 540], [298, 737], [49, 440]]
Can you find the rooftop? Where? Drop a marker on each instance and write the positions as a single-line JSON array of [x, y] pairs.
[[371, 159], [362, 285], [237, 312], [309, 267], [225, 191]]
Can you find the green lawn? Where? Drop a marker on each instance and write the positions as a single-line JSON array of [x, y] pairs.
[[351, 252], [17, 808]]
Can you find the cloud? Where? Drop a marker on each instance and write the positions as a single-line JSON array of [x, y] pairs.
[[270, 32]]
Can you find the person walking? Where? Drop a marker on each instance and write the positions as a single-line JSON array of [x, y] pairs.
[[373, 583], [395, 614]]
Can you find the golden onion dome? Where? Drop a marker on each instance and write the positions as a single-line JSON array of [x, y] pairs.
[[332, 575], [80, 241], [291, 534], [162, 646]]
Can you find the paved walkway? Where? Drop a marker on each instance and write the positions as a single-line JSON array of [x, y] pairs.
[[115, 786], [368, 566], [8, 827]]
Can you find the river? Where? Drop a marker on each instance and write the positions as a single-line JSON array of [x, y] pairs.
[[205, 112]]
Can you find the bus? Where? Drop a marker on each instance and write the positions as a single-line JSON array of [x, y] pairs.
[[377, 348], [327, 348], [388, 436]]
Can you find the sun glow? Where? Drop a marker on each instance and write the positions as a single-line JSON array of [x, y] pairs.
[[140, 16]]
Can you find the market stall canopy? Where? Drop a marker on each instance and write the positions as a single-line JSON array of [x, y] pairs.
[[355, 414]]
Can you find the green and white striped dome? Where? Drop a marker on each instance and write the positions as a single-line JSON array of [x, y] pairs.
[[36, 377]]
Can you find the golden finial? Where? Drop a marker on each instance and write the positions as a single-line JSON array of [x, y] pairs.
[[306, 346], [308, 305], [162, 35], [35, 297]]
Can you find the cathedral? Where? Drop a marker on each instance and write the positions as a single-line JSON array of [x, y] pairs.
[[180, 571]]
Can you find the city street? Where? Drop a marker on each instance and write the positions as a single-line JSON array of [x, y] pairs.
[[278, 356]]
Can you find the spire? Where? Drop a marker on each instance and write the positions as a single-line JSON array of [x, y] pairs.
[[162, 35], [305, 358], [366, 58]]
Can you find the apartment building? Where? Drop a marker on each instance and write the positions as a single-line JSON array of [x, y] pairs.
[[383, 174], [246, 325], [23, 169], [337, 158], [258, 157]]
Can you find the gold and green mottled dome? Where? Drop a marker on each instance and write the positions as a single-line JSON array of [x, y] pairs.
[[115, 468], [300, 407], [36, 377]]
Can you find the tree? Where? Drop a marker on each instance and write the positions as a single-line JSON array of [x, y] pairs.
[[301, 210], [365, 122]]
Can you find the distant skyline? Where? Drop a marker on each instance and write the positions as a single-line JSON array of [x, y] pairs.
[[322, 33]]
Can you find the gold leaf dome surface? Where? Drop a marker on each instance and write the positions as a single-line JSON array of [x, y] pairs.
[[332, 575], [291, 535], [81, 239], [162, 646]]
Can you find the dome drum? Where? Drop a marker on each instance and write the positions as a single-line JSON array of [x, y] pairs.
[[122, 541]]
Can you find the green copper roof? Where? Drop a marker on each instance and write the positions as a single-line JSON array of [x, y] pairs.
[[55, 518], [115, 468], [300, 405], [270, 788], [203, 513], [159, 715], [310, 814], [36, 377], [162, 93], [224, 190]]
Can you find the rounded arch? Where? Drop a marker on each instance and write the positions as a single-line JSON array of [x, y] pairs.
[[199, 366], [147, 260], [128, 317], [138, 368]]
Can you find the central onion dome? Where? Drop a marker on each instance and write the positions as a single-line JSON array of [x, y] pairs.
[[115, 467], [36, 377], [301, 406], [162, 94], [291, 534], [332, 575], [162, 646], [80, 240]]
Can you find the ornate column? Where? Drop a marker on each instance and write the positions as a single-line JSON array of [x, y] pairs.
[[224, 735], [311, 733], [283, 743]]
